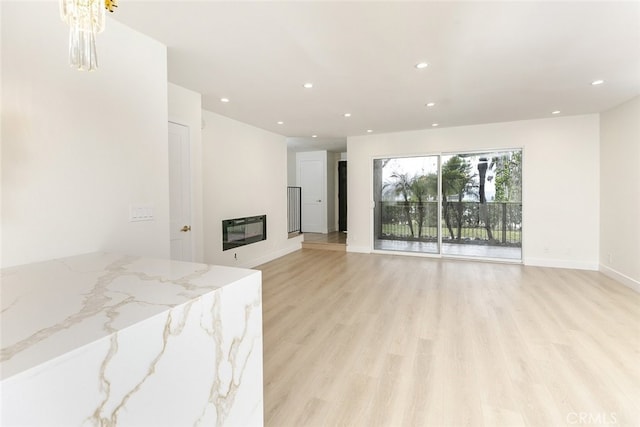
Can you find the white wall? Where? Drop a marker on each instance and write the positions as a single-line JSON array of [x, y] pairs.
[[185, 108], [291, 168], [79, 148], [244, 174], [560, 181], [620, 193]]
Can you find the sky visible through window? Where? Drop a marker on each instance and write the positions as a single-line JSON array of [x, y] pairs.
[[425, 165]]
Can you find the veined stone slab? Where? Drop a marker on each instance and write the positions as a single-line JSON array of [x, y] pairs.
[[104, 339]]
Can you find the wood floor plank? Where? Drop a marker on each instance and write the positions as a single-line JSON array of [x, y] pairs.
[[380, 340]]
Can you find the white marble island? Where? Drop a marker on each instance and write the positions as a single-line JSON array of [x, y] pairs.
[[105, 340]]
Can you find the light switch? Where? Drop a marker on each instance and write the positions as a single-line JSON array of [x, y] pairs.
[[141, 213]]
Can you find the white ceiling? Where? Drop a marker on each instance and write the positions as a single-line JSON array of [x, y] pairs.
[[488, 61]]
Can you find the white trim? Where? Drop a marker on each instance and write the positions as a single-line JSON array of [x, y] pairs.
[[358, 249], [197, 232], [559, 263], [295, 244], [439, 206], [440, 155], [323, 157], [619, 277], [192, 178]]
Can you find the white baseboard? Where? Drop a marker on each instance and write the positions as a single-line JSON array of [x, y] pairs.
[[619, 277], [359, 249], [293, 245], [561, 263]]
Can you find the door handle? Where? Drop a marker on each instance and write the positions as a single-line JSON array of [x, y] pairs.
[[185, 228], [318, 201]]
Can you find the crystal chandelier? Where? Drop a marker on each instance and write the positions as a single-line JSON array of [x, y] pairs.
[[86, 18]]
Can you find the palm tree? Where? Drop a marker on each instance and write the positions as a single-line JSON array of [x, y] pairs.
[[422, 188], [456, 178], [402, 187]]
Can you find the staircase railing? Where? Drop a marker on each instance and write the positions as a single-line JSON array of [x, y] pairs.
[[294, 209]]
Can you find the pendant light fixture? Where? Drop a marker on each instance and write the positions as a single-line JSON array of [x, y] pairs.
[[85, 18]]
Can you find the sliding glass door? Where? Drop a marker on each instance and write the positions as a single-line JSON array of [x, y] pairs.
[[482, 204], [458, 204], [406, 199]]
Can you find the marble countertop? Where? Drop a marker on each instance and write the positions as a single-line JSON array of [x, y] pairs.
[[51, 308]]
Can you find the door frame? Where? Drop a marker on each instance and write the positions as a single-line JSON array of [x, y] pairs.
[[441, 154], [314, 156], [191, 185]]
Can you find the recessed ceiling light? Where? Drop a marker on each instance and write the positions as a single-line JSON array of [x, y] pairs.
[[224, 99], [555, 112], [347, 114], [421, 65], [597, 82], [307, 85], [314, 136], [369, 130], [431, 104], [280, 123], [435, 125]]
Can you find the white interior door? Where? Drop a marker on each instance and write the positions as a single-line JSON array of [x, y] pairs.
[[312, 179], [180, 192]]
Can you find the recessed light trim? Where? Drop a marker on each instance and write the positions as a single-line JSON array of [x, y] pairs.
[[280, 123], [421, 65], [347, 114], [555, 112], [435, 124], [369, 130], [224, 100], [314, 136], [597, 82], [307, 85], [430, 104]]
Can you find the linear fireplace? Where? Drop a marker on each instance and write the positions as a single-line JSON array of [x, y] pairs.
[[243, 231]]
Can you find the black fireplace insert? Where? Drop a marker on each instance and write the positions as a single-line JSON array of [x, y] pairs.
[[243, 231]]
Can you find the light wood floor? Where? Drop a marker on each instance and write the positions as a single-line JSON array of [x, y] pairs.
[[334, 241], [334, 237], [376, 340]]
